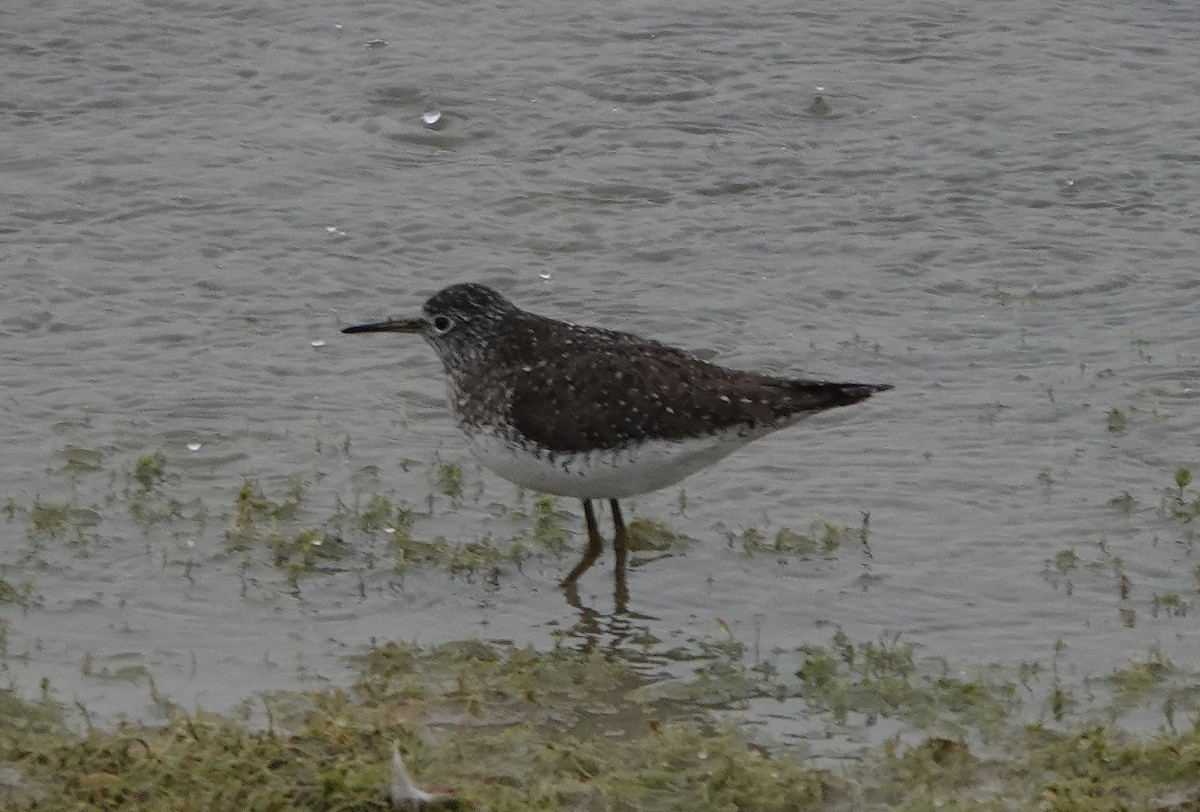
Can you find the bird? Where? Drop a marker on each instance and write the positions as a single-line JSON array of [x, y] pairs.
[[594, 413]]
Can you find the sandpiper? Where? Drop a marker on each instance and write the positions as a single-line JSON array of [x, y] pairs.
[[592, 413]]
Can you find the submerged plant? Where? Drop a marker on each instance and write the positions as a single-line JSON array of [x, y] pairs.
[[449, 479], [1116, 421], [1178, 504], [149, 470], [18, 594], [548, 530], [820, 538]]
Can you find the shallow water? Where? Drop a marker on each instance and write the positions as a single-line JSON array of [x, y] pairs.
[[998, 215]]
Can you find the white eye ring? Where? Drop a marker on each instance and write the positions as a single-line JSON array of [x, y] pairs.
[[442, 324]]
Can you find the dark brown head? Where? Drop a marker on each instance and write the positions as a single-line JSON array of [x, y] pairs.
[[460, 322]]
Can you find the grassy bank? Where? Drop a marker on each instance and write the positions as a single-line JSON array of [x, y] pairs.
[[502, 728]]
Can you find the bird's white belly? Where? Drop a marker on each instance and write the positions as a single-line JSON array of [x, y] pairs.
[[606, 474]]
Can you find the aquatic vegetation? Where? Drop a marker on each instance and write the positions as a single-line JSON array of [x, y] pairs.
[[1170, 604], [1124, 502], [48, 519], [1135, 681], [1066, 560], [380, 514], [1116, 421], [1060, 701], [655, 535], [937, 766], [254, 515], [277, 522], [1096, 564], [79, 460], [881, 679], [820, 538], [499, 727], [258, 521], [1140, 345], [51, 520], [116, 672], [512, 728], [18, 594], [1183, 478], [1177, 503], [149, 469], [548, 530], [448, 477]]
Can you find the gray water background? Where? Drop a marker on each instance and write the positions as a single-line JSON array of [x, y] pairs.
[[998, 215]]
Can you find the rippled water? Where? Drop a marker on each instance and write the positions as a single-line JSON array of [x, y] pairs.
[[998, 214]]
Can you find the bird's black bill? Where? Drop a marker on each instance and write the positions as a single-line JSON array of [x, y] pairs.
[[389, 326]]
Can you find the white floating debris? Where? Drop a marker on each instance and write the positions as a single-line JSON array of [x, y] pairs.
[[431, 117], [338, 26], [193, 446], [544, 274], [335, 231], [402, 790], [820, 89], [389, 530], [316, 342], [375, 43]]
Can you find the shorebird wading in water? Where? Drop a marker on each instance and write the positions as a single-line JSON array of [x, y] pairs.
[[594, 413]]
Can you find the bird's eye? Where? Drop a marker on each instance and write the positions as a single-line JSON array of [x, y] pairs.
[[442, 324]]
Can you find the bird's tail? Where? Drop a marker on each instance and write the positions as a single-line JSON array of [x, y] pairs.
[[831, 394]]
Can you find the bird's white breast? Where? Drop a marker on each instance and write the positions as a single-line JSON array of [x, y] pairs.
[[603, 474]]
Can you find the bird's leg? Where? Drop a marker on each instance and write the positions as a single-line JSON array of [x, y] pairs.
[[620, 535], [595, 546], [621, 551]]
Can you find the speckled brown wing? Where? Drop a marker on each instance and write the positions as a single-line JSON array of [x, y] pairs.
[[627, 389]]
